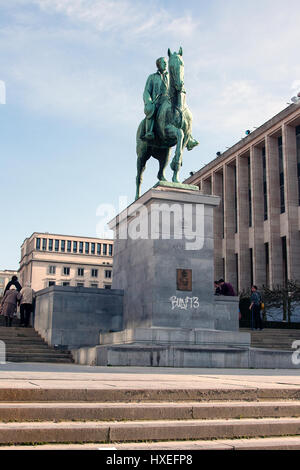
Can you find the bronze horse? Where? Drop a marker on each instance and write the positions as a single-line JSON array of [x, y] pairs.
[[173, 126]]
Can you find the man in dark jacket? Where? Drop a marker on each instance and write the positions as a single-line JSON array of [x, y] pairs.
[[14, 282], [226, 288]]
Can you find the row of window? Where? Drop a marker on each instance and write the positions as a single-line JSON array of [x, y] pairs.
[[264, 175], [80, 272], [78, 284], [69, 246], [284, 262]]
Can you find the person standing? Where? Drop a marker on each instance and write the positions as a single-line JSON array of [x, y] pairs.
[[9, 304], [255, 307], [226, 288], [26, 307], [217, 288]]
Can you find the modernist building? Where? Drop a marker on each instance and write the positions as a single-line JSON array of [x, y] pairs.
[[5, 277], [256, 226], [49, 259]]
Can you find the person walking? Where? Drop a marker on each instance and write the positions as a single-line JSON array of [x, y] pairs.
[[26, 307], [255, 307], [13, 282], [9, 304]]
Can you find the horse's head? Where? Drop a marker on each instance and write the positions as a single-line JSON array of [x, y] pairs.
[[176, 69]]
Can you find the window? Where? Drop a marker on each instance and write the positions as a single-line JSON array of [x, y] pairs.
[[107, 286], [87, 248], [74, 247], [298, 159], [94, 273], [80, 247], [284, 261], [110, 248], [265, 183], [80, 272], [52, 269], [51, 283], [50, 245], [251, 266], [237, 271], [267, 264], [63, 245], [56, 245], [65, 284], [98, 248], [66, 271], [235, 202], [69, 245], [93, 245], [108, 274], [94, 285], [38, 244], [80, 284], [281, 176], [104, 248], [249, 192], [44, 247]]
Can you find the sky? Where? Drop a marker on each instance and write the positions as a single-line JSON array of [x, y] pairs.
[[74, 74]]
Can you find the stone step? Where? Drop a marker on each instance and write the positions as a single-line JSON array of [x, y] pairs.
[[23, 340], [266, 443], [32, 394], [21, 412], [13, 347], [38, 357], [136, 431]]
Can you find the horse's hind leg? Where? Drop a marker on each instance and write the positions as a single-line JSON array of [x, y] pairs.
[[163, 162], [141, 165]]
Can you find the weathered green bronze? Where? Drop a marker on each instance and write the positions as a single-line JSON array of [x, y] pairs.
[[168, 120]]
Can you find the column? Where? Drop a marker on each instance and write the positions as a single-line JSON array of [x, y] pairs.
[[259, 261], [229, 224], [291, 200], [217, 190], [275, 247], [243, 223]]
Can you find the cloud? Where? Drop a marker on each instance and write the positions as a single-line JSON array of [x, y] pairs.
[[135, 18]]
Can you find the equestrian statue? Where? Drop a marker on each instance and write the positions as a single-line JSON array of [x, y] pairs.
[[168, 120]]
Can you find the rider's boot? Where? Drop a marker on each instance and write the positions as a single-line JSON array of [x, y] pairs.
[[191, 143], [149, 131]]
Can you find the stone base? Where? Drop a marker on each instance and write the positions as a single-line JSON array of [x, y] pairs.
[[176, 336], [168, 347], [145, 355]]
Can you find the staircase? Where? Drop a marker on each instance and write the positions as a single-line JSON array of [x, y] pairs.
[[26, 345], [268, 338], [119, 417]]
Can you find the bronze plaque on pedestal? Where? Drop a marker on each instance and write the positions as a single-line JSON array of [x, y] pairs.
[[184, 279]]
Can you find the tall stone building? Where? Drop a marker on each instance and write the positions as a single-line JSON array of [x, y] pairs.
[[49, 259], [256, 226]]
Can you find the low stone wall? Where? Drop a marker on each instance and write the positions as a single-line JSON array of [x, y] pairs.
[[73, 317], [226, 313]]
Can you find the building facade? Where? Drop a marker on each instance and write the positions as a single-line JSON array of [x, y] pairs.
[[256, 226], [5, 277], [49, 259]]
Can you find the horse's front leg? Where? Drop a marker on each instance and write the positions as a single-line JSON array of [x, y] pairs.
[[176, 162]]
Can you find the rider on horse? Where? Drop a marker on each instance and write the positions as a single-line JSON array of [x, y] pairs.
[[156, 90]]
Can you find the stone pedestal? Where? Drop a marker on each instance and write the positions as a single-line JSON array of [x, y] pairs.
[[163, 261]]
